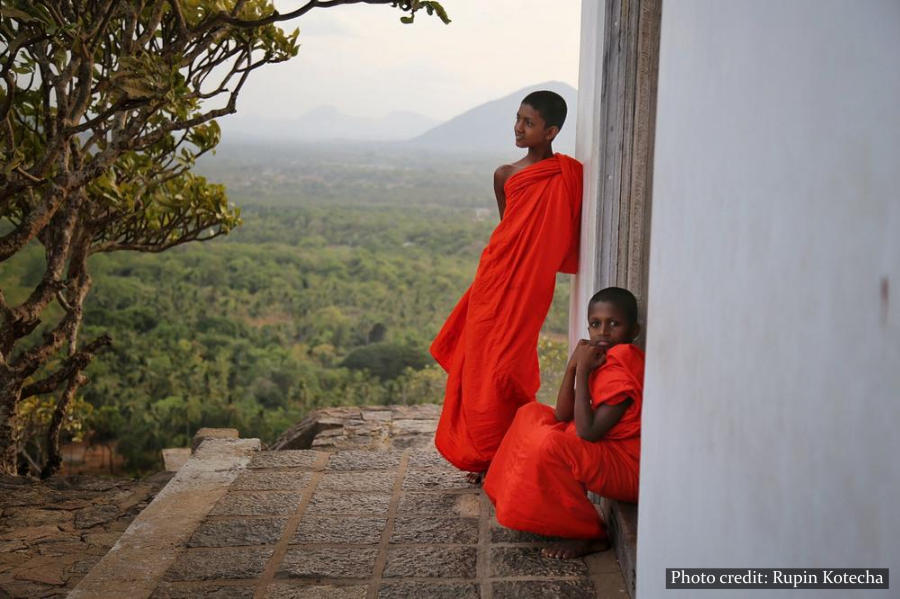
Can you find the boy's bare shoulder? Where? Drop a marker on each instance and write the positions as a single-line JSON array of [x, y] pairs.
[[503, 172]]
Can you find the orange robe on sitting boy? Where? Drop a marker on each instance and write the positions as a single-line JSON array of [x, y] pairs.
[[488, 346], [539, 477]]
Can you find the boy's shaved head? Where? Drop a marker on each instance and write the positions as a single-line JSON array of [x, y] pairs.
[[621, 298], [551, 106]]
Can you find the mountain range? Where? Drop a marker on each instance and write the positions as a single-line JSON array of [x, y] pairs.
[[487, 127], [327, 123]]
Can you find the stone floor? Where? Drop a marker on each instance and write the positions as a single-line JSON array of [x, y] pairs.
[[363, 524], [335, 523], [52, 532]]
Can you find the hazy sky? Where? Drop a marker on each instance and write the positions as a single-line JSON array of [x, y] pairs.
[[363, 61]]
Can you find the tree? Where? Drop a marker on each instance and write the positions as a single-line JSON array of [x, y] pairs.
[[385, 360], [105, 106]]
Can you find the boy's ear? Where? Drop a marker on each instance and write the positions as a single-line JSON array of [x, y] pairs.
[[551, 132]]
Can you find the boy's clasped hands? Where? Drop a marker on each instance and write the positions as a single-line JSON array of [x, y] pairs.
[[588, 356]]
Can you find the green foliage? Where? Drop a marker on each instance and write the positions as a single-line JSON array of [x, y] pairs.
[[308, 305], [385, 360]]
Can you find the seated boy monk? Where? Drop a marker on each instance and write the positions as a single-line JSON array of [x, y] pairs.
[[591, 441], [488, 345]]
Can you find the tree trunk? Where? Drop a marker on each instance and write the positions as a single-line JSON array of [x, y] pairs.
[[10, 391], [54, 460]]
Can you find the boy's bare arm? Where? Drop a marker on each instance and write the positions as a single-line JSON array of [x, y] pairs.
[[565, 398], [500, 176], [591, 424]]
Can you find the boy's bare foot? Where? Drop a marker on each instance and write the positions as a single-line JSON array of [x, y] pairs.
[[474, 478], [575, 548]]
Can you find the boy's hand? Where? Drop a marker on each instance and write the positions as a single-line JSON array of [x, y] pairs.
[[588, 357], [573, 358]]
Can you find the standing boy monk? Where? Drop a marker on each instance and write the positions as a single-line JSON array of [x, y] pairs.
[[488, 346], [592, 440]]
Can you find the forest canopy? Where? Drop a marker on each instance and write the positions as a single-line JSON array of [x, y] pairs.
[[255, 329]]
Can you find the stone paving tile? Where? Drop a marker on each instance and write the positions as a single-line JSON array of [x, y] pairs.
[[434, 479], [604, 561], [363, 460], [359, 503], [170, 590], [611, 586], [256, 503], [339, 529], [435, 530], [501, 534], [431, 561], [223, 563], [333, 562], [282, 590], [263, 480], [422, 459], [431, 590], [409, 441], [300, 458], [377, 481], [581, 588], [466, 505], [527, 561], [238, 531]]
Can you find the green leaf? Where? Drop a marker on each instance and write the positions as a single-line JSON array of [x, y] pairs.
[[15, 13]]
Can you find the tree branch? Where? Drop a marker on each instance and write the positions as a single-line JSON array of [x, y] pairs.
[[71, 366]]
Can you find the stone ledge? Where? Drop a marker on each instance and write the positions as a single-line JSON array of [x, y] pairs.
[[621, 521], [212, 433], [377, 428]]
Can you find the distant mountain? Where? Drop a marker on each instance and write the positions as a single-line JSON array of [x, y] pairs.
[[489, 127], [328, 123], [486, 128]]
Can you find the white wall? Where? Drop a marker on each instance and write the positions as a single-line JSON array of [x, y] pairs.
[[772, 396], [587, 150]]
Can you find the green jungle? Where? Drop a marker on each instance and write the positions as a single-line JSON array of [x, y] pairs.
[[348, 261]]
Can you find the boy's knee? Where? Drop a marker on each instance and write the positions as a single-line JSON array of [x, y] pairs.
[[534, 408], [554, 443]]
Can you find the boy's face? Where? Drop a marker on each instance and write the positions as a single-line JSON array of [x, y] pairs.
[[608, 325], [531, 128]]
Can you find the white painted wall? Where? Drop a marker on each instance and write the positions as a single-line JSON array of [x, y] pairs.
[[587, 150], [772, 396]]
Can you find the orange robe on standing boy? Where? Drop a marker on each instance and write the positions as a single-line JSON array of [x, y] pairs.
[[488, 346]]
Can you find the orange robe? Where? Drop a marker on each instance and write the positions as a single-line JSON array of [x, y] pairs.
[[539, 477], [488, 346]]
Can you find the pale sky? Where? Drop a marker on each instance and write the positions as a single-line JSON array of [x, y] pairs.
[[362, 60]]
